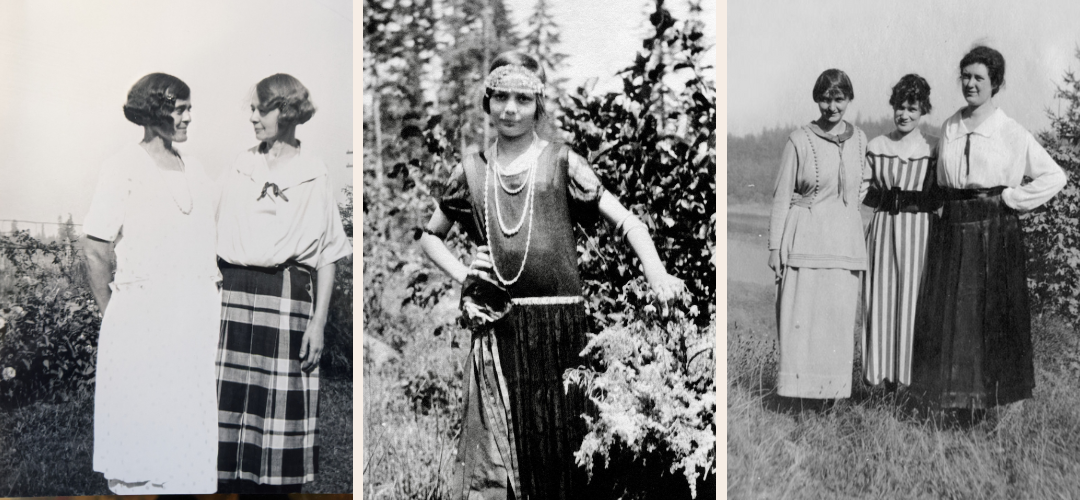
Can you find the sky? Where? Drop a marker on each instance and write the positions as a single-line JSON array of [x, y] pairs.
[[66, 67], [777, 49]]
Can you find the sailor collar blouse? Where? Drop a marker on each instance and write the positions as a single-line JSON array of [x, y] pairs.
[[999, 152]]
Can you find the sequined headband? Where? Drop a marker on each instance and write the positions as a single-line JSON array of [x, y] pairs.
[[514, 78]]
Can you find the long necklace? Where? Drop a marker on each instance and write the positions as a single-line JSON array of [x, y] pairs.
[[530, 201], [530, 180], [531, 162]]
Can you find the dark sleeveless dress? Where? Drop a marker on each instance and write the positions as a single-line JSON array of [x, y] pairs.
[[518, 363]]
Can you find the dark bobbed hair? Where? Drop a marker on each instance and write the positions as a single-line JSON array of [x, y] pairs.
[[914, 89], [285, 93], [994, 62], [832, 82], [153, 98], [530, 64]]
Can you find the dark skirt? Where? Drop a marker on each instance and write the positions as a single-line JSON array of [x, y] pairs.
[[267, 406], [972, 340], [531, 447]]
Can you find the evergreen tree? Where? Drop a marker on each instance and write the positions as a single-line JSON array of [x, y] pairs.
[[541, 41]]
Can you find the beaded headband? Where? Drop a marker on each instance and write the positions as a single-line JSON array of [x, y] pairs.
[[514, 78]]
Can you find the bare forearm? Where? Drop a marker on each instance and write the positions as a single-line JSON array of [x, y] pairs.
[[436, 250], [325, 283], [642, 243]]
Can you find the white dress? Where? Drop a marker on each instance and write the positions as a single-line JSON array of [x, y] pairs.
[[155, 405]]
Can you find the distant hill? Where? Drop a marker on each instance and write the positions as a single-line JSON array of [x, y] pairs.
[[754, 159]]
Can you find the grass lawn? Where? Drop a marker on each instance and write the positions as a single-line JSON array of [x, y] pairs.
[[872, 445], [47, 449]]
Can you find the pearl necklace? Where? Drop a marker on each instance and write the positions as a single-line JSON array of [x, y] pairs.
[[532, 159], [530, 202]]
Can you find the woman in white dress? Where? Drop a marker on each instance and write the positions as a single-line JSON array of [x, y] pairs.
[[155, 410]]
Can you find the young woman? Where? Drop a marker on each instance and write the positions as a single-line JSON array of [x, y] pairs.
[[816, 246], [972, 343], [279, 235], [155, 416], [518, 201], [902, 169]]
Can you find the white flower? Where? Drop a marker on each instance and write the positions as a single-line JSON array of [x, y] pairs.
[[8, 373]]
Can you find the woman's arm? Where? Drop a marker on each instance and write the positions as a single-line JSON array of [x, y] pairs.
[[436, 250], [666, 286], [99, 263], [311, 346], [782, 192], [1047, 178]]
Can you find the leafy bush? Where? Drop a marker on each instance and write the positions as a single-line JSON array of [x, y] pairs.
[[1053, 231], [48, 344], [654, 389], [338, 347]]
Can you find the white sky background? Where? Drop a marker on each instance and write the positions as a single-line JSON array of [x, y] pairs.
[[66, 67], [778, 48]]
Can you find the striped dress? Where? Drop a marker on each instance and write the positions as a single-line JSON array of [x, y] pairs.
[[896, 248]]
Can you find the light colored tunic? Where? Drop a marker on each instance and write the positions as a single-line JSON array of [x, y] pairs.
[[155, 407], [1001, 153], [261, 226], [817, 229], [896, 245]]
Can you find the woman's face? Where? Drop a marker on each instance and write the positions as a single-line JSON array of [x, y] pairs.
[[975, 82], [514, 113], [181, 117], [265, 122], [906, 116], [833, 108]]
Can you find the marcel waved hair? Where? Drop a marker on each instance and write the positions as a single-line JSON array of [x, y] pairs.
[[285, 93], [153, 98], [914, 89], [529, 63]]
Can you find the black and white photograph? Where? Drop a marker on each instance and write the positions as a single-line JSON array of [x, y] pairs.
[[539, 244], [902, 249], [176, 247]]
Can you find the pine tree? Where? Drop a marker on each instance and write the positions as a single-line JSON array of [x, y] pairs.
[[541, 41]]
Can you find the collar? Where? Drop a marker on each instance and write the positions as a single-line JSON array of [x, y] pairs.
[[300, 169], [955, 129], [849, 131]]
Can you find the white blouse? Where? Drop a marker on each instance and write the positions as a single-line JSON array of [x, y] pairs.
[[266, 218], [142, 209], [1001, 153]]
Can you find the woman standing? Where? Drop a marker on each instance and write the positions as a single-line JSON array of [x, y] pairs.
[[279, 235], [518, 201], [816, 246], [155, 424], [902, 169], [972, 346]]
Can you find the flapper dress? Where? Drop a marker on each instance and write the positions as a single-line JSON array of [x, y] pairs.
[[275, 230], [155, 418], [972, 342], [900, 191], [520, 427], [817, 229]]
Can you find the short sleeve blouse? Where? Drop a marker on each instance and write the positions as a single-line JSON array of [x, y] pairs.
[[267, 218]]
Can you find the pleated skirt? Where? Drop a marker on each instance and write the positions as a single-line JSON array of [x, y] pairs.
[[268, 407], [816, 311], [972, 344], [520, 427]]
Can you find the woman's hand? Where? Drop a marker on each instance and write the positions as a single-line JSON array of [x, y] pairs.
[[774, 263], [667, 287], [481, 265], [311, 346]]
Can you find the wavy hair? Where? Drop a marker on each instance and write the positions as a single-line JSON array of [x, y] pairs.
[[152, 99], [914, 89], [285, 93], [994, 62]]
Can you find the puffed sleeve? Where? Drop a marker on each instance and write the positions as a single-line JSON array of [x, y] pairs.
[[334, 244], [585, 191], [782, 193], [454, 201], [106, 215], [1047, 178]]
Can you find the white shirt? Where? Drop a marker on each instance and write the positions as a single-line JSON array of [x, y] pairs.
[[261, 227], [1001, 153]]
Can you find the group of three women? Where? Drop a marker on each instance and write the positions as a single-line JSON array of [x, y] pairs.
[[214, 299], [945, 290]]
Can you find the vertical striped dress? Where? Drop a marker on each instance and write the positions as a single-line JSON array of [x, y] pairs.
[[896, 249]]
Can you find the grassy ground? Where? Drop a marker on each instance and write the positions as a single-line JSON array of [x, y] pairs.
[[47, 449], [873, 445]]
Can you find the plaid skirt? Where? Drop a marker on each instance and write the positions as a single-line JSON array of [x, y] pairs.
[[267, 406]]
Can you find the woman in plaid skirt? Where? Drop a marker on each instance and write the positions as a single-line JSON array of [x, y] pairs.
[[518, 201], [279, 235]]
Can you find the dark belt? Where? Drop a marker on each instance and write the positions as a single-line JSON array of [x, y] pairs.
[[970, 194], [222, 264], [896, 200]]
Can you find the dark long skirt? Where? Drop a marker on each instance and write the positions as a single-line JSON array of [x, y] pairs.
[[267, 406], [972, 339], [531, 450]]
